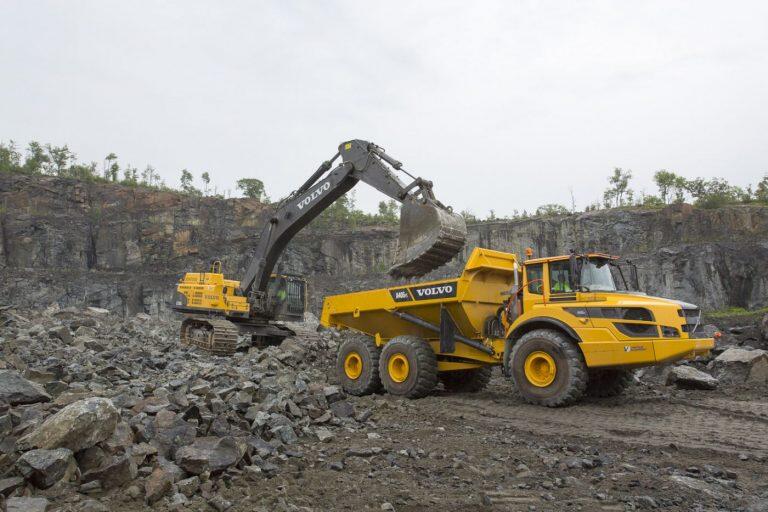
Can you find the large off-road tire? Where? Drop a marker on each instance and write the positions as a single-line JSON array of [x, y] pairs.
[[408, 367], [466, 381], [607, 382], [357, 365], [548, 368]]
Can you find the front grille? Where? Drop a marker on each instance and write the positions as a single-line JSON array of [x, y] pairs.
[[692, 321]]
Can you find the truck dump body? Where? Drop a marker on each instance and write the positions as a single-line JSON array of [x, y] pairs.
[[469, 299]]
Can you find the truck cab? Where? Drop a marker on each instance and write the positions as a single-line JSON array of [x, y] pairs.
[[579, 295]]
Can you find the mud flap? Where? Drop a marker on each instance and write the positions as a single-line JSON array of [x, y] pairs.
[[447, 332], [430, 236]]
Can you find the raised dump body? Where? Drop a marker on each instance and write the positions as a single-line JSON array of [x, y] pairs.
[[559, 326]]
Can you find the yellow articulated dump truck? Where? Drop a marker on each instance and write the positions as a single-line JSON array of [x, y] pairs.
[[559, 327]]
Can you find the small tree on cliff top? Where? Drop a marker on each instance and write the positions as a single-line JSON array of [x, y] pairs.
[[186, 184], [618, 194], [252, 187]]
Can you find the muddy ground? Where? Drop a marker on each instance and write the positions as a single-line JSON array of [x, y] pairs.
[[651, 449], [655, 447]]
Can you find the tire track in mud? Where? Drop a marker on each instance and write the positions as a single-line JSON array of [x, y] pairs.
[[718, 425]]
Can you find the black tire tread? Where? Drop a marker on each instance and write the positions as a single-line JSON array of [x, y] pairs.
[[374, 352], [578, 376], [609, 382], [425, 360], [466, 381]]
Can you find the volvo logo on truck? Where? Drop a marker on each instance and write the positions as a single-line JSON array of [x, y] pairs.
[[314, 195], [436, 291]]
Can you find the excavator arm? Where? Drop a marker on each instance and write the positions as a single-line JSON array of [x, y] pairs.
[[430, 233]]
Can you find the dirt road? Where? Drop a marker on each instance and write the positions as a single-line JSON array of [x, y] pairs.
[[490, 451]]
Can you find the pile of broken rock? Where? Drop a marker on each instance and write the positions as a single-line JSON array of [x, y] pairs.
[[738, 361], [91, 404]]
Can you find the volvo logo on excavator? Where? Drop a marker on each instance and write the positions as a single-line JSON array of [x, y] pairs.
[[314, 195]]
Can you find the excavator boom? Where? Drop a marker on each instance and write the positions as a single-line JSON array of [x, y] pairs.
[[430, 233]]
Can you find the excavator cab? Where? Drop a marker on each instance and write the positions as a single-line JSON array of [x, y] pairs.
[[287, 297]]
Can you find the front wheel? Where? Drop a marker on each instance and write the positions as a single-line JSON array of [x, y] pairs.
[[548, 368]]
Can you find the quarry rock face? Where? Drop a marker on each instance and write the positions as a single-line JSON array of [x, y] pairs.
[[124, 248]]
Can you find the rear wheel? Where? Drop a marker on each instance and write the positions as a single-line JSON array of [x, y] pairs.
[[609, 382], [408, 367], [466, 381], [548, 369], [357, 364]]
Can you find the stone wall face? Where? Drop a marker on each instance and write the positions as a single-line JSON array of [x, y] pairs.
[[124, 248]]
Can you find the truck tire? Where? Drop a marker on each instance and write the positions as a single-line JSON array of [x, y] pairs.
[[408, 367], [357, 365], [607, 382], [466, 381], [548, 368]]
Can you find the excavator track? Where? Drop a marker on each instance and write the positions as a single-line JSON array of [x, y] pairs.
[[214, 335]]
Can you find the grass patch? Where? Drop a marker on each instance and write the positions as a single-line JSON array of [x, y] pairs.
[[736, 313]]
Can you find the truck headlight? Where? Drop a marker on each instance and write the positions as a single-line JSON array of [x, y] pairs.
[[670, 332]]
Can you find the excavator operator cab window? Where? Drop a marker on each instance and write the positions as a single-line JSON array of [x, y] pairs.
[[560, 277], [535, 273]]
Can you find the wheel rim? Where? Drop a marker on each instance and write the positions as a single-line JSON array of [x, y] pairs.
[[540, 369], [353, 365], [398, 367]]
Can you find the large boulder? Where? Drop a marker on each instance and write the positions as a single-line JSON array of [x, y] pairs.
[[27, 505], [212, 454], [169, 431], [740, 365], [16, 390], [114, 473], [46, 467], [688, 377], [77, 426], [157, 485], [764, 327]]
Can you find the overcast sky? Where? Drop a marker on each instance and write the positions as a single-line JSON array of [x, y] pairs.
[[504, 105]]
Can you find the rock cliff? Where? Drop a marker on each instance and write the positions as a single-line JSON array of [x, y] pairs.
[[123, 248]]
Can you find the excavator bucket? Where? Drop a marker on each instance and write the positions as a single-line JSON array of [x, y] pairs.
[[430, 236]]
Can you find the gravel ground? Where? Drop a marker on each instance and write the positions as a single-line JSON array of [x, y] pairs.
[[104, 413]]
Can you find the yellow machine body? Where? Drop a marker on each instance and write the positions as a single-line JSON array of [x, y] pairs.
[[596, 320], [211, 292]]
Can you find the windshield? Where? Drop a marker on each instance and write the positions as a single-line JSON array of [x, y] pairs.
[[596, 276]]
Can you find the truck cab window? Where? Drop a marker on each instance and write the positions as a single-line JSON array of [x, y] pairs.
[[560, 277], [535, 273]]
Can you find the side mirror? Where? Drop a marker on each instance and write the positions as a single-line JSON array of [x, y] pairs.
[[633, 278]]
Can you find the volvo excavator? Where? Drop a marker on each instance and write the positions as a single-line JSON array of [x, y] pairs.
[[218, 309]]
